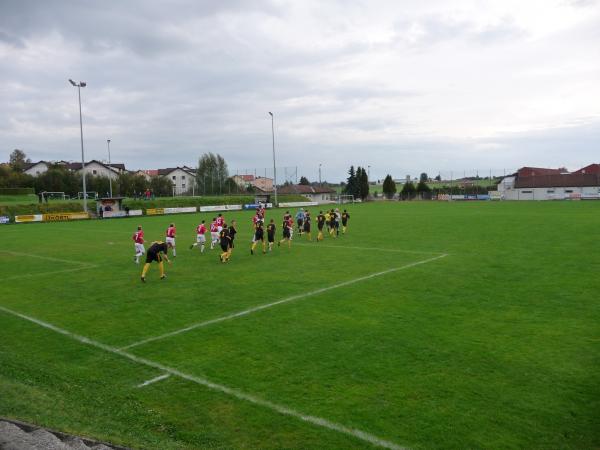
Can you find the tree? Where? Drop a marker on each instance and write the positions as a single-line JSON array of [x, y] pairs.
[[438, 178], [352, 183], [423, 178], [408, 190], [304, 181], [389, 187], [18, 159], [212, 174], [363, 182], [161, 186]]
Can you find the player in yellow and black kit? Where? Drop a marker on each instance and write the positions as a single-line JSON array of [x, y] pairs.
[[332, 223], [271, 234], [225, 242], [320, 224], [232, 233], [307, 224], [157, 252], [259, 235], [345, 217]]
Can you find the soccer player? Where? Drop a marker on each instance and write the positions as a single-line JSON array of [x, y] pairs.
[[157, 252], [336, 223], [220, 222], [271, 234], [232, 233], [138, 239], [320, 224], [345, 217], [214, 233], [200, 238], [225, 242], [327, 220], [171, 238], [259, 235], [307, 224], [332, 223], [288, 227], [300, 220]]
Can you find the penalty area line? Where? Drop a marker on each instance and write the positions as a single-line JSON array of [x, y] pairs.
[[349, 247], [154, 380], [232, 392], [282, 301]]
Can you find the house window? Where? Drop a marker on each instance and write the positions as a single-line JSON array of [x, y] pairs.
[[93, 172], [528, 192], [174, 177], [550, 191], [183, 177], [569, 191], [183, 186]]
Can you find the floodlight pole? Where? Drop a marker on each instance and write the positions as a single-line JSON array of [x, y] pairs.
[[110, 167], [320, 184], [79, 86], [274, 166]]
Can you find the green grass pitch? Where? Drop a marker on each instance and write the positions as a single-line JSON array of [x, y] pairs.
[[495, 346]]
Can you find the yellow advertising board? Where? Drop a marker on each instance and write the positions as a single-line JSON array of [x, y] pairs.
[[155, 211], [28, 218], [57, 217]]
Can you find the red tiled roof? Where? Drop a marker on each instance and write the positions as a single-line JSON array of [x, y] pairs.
[[536, 171], [304, 189], [592, 168], [561, 180]]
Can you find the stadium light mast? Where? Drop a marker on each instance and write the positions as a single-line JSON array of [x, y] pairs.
[[109, 178], [320, 184], [79, 86], [274, 166]]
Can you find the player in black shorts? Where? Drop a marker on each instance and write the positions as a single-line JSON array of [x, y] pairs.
[[232, 233], [271, 234], [157, 252], [307, 224], [320, 225], [225, 242], [345, 217], [259, 235], [332, 223]]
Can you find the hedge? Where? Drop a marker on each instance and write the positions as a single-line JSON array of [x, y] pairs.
[[17, 209], [16, 191]]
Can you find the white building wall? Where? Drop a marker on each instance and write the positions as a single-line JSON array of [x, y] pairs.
[[98, 170], [560, 193], [181, 180], [36, 170]]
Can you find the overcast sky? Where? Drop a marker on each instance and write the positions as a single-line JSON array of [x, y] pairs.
[[401, 86]]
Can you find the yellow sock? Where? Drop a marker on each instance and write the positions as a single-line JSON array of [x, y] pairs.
[[264, 247], [343, 230], [224, 254], [289, 243], [253, 245], [309, 236], [145, 270], [161, 266]]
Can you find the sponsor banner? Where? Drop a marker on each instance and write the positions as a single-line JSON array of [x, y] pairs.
[[457, 197], [29, 218], [132, 212], [443, 197], [220, 208], [160, 211], [58, 217], [4, 219], [495, 195], [188, 209], [256, 205], [297, 204], [483, 197]]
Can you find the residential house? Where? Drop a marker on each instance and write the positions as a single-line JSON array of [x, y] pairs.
[[313, 193], [182, 178]]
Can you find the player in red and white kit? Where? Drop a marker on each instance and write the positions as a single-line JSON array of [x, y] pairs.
[[170, 239], [138, 239], [220, 222], [214, 233], [200, 238]]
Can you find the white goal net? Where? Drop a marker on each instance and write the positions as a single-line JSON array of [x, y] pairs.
[[345, 199]]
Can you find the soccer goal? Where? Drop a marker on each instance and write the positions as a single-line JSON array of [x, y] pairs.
[[89, 194], [53, 196], [345, 199]]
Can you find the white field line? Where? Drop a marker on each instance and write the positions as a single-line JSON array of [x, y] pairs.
[[395, 250], [279, 302], [154, 380], [314, 420], [52, 272], [49, 258]]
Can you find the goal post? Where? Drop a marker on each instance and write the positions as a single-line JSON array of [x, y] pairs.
[[89, 194], [53, 196], [343, 198]]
